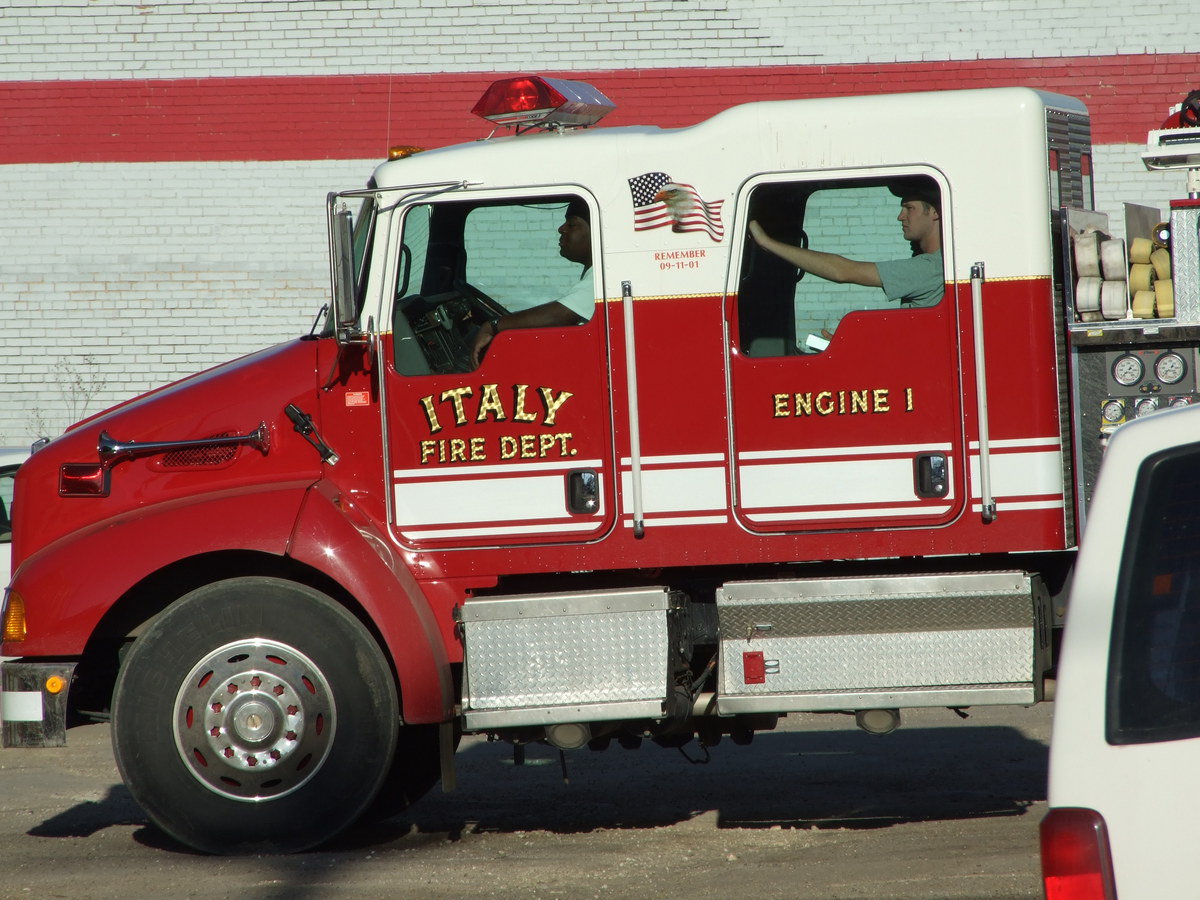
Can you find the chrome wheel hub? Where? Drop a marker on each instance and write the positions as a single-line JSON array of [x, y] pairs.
[[254, 720]]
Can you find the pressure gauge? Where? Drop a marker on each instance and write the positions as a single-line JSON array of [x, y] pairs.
[[1128, 370], [1180, 401], [1145, 406], [1113, 411], [1170, 368]]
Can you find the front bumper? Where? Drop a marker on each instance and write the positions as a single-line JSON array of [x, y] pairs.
[[33, 703]]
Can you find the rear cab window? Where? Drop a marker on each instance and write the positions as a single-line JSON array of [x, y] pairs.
[[782, 310], [1153, 691]]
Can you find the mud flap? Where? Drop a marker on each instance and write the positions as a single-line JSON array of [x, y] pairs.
[[33, 703]]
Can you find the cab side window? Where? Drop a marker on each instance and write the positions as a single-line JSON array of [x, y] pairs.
[[512, 254], [785, 310], [464, 264]]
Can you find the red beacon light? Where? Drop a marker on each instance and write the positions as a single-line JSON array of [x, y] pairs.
[[531, 101]]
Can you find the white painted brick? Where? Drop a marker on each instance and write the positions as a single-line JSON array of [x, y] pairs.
[[245, 285]]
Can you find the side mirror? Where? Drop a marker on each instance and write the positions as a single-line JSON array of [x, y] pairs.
[[344, 283]]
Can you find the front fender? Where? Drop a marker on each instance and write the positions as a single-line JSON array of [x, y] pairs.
[[71, 583], [334, 538]]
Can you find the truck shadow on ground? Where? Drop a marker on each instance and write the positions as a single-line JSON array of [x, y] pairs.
[[814, 779], [116, 807], [804, 779]]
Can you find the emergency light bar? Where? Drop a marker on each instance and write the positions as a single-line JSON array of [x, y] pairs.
[[1173, 148], [531, 101]]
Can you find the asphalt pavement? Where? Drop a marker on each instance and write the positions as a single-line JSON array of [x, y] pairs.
[[941, 808]]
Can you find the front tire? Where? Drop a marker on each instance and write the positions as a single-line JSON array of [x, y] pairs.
[[255, 715]]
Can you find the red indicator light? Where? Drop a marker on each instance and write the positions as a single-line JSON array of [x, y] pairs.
[[1076, 860], [754, 667], [531, 100], [83, 480], [506, 100]]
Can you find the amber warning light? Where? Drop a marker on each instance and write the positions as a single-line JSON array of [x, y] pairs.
[[531, 101]]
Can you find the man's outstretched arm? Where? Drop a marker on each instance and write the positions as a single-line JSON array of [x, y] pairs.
[[829, 266]]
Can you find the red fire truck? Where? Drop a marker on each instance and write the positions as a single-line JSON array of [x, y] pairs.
[[574, 459]]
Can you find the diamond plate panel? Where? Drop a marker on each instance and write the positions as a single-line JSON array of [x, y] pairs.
[[568, 660], [872, 616], [888, 633], [850, 662], [1185, 253]]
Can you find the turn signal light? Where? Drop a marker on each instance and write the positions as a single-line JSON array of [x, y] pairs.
[[1076, 859], [14, 618]]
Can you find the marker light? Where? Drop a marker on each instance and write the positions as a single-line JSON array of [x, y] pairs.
[[83, 480], [403, 152], [531, 101], [14, 619]]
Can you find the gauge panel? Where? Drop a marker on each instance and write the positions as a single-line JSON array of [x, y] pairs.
[[1128, 370], [1145, 406], [1112, 412], [1158, 371], [1170, 368]]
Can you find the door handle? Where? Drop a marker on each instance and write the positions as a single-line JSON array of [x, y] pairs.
[[931, 475], [583, 491]]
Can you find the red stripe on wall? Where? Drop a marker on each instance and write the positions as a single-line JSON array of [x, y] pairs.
[[358, 116]]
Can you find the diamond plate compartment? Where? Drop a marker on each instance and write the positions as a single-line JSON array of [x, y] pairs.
[[570, 657], [1185, 250], [918, 640]]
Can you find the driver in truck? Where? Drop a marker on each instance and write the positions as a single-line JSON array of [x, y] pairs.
[[917, 281], [572, 308]]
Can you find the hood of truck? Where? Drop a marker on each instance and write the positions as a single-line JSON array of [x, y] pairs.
[[230, 400]]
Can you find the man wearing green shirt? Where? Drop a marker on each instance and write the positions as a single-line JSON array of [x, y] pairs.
[[916, 281]]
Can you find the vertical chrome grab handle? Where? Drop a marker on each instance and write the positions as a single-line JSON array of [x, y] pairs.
[[987, 501], [635, 433]]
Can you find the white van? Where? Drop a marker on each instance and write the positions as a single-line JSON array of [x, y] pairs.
[[1124, 795]]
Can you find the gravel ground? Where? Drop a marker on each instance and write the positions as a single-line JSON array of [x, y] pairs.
[[941, 808]]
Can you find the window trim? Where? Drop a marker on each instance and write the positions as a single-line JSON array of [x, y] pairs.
[[747, 188]]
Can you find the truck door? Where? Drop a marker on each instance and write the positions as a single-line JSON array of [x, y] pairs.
[[517, 449], [846, 406]]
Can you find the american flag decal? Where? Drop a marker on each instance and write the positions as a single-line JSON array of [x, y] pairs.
[[658, 202]]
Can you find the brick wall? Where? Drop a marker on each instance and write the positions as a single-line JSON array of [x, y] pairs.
[[163, 164]]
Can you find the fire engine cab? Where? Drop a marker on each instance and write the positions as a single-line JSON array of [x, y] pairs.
[[575, 459]]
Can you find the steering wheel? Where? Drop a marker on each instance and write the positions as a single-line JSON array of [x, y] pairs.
[[480, 300]]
